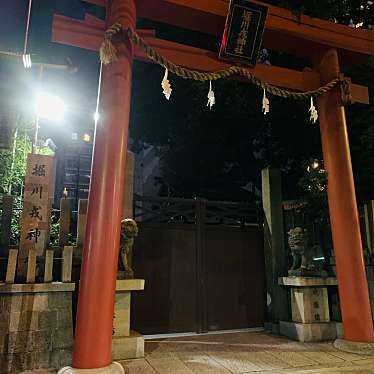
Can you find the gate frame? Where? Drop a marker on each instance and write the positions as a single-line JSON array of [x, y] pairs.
[[320, 40]]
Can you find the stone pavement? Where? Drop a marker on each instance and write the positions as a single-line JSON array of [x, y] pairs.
[[245, 352]]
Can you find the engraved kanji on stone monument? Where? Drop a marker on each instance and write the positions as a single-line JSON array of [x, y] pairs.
[[37, 203]]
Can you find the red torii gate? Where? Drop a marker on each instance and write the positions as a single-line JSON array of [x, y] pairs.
[[324, 43]]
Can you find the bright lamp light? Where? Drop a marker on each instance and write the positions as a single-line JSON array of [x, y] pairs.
[[96, 116], [50, 107]]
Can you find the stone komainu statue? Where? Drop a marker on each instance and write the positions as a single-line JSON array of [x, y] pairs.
[[298, 243], [129, 231]]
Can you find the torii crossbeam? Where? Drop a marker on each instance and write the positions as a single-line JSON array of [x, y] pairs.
[[324, 43]]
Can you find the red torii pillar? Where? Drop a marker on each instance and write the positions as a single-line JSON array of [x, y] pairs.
[[93, 336], [350, 265]]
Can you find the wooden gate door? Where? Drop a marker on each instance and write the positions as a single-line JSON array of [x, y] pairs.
[[203, 264]]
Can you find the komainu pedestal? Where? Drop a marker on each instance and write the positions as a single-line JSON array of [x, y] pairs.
[[310, 309], [127, 344]]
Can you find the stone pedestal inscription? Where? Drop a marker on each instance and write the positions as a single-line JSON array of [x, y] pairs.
[[310, 309], [310, 305]]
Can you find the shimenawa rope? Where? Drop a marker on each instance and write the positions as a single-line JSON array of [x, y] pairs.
[[108, 54]]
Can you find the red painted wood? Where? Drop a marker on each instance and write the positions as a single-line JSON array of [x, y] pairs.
[[284, 31], [350, 266], [202, 60], [87, 34], [93, 336], [300, 36], [180, 16]]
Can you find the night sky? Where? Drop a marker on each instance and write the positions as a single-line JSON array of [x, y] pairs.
[[78, 90], [230, 130]]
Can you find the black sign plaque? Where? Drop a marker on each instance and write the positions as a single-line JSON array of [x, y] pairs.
[[242, 37]]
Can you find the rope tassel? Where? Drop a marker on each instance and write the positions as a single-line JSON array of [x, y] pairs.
[[265, 104], [313, 111], [165, 84], [211, 97]]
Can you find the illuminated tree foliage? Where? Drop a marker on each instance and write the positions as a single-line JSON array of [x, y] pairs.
[[13, 159]]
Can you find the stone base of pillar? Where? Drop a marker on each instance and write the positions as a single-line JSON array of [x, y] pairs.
[[114, 368], [355, 347], [128, 347], [308, 332]]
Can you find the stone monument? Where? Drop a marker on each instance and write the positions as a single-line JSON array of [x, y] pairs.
[[36, 212], [36, 325]]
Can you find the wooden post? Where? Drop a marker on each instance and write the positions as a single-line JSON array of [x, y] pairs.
[[12, 266], [6, 220], [274, 249], [350, 267], [67, 262], [48, 266], [82, 220], [93, 334], [65, 216]]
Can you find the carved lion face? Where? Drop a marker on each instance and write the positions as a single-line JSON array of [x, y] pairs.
[[129, 227], [297, 238]]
